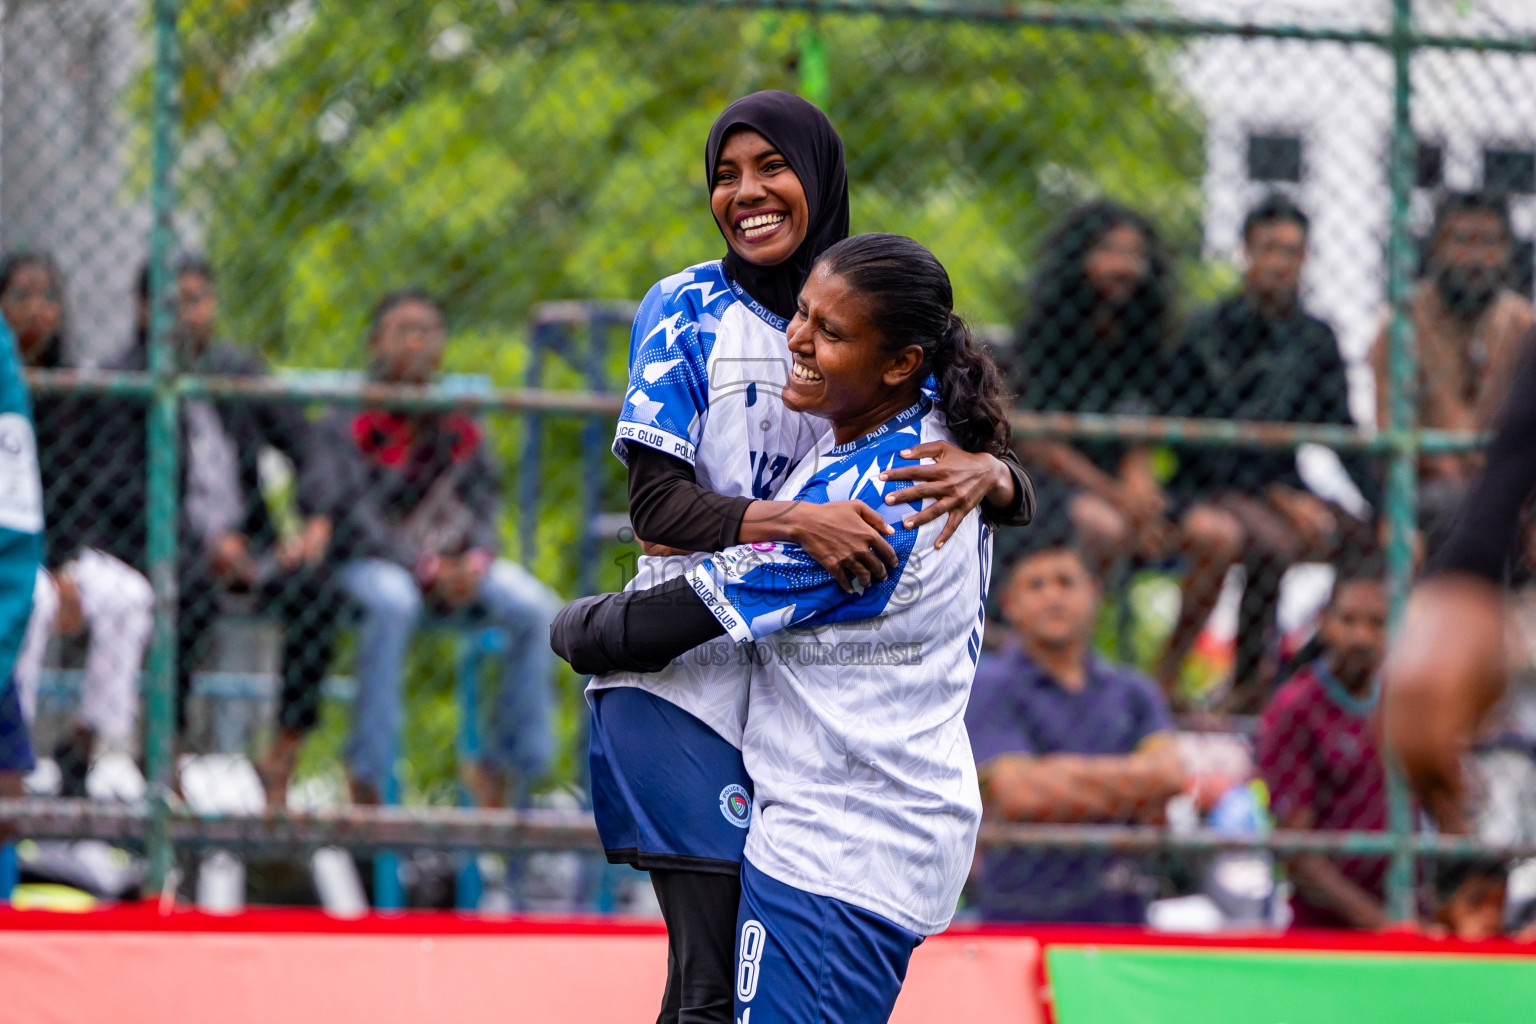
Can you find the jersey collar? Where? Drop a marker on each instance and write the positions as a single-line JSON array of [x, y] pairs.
[[762, 312], [913, 412], [1360, 707]]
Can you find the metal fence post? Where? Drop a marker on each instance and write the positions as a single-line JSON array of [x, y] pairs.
[[161, 529], [531, 468], [1402, 471], [594, 453]]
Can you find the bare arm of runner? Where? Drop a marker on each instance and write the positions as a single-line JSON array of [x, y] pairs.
[[1446, 668]]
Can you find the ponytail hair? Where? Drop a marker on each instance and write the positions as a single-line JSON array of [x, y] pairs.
[[970, 391], [913, 304]]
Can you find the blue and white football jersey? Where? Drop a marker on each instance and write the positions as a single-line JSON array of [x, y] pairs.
[[708, 365], [855, 735]]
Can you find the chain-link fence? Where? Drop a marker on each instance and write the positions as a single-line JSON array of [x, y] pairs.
[[327, 309]]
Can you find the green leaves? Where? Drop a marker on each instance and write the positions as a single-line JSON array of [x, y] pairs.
[[503, 153]]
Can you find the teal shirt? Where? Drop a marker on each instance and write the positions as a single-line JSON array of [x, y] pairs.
[[21, 505]]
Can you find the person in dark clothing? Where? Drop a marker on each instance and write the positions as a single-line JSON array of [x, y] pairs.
[[415, 499], [227, 541], [1260, 356], [32, 300], [1061, 735], [81, 587], [1095, 341]]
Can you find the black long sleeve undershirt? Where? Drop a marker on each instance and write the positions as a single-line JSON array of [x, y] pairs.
[[1022, 510], [1487, 530], [634, 631], [667, 505]]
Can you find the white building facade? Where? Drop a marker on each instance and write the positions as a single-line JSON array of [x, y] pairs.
[[1314, 120]]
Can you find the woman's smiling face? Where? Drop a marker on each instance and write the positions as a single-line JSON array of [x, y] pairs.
[[840, 368], [758, 200]]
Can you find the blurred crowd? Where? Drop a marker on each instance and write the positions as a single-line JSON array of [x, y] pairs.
[[394, 520], [393, 523], [1287, 734]]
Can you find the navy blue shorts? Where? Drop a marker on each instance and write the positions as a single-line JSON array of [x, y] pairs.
[[802, 957], [667, 790], [15, 742]]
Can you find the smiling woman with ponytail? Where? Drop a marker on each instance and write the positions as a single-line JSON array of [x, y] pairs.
[[835, 893]]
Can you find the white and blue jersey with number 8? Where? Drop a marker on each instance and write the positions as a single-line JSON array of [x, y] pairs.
[[867, 803]]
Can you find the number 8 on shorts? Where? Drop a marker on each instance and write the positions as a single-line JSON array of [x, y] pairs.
[[753, 939]]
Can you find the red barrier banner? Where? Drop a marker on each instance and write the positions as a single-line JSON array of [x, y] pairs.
[[132, 967]]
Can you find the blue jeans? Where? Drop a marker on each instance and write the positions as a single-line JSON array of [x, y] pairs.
[[511, 599]]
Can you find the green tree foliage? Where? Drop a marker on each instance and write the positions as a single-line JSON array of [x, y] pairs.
[[503, 153]]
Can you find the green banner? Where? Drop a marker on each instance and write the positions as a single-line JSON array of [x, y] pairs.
[[1104, 985]]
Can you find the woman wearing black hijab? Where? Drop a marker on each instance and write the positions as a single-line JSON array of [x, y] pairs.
[[806, 140], [707, 441]]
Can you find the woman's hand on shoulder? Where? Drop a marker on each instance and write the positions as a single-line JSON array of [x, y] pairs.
[[954, 483], [848, 538]]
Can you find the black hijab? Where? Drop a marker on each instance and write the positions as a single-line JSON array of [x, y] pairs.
[[806, 139]]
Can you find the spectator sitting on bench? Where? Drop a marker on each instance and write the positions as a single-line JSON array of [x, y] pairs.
[[416, 497], [1470, 329], [1061, 735], [1260, 356], [84, 586], [1470, 898], [1318, 747], [227, 542], [1095, 341]]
